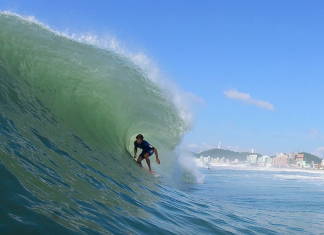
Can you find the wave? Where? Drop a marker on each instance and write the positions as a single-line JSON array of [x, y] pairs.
[[69, 112]]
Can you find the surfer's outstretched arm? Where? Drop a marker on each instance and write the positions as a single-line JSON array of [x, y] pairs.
[[157, 156], [135, 151]]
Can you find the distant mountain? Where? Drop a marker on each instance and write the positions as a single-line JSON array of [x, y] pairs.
[[309, 158], [241, 156], [231, 155]]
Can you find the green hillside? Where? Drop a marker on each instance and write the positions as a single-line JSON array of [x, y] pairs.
[[241, 156], [309, 158], [231, 155]]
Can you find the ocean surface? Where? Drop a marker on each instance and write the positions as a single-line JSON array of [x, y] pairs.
[[70, 108]]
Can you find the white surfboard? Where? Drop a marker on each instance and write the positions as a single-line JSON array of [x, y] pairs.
[[156, 175]]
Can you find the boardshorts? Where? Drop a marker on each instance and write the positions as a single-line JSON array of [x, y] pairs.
[[143, 152]]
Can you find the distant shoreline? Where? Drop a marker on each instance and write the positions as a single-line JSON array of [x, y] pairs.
[[245, 167]]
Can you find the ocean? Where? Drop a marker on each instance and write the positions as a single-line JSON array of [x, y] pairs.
[[70, 108]]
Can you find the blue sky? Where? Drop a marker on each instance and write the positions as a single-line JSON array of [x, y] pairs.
[[257, 65]]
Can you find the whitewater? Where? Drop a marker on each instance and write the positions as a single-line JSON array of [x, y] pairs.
[[70, 108]]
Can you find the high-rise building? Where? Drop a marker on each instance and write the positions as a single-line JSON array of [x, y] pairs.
[[264, 160], [219, 145], [280, 160], [251, 159], [296, 159]]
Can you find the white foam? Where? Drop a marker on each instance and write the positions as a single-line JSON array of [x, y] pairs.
[[190, 170], [300, 177]]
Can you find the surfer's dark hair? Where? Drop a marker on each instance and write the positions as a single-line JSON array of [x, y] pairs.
[[140, 136]]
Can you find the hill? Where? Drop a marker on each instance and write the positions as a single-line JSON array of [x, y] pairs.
[[241, 156], [231, 155], [309, 158]]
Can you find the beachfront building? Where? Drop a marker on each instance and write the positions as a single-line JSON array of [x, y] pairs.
[[280, 160], [296, 159], [251, 159], [300, 161], [264, 160], [206, 159], [215, 160], [292, 159], [321, 165], [299, 158]]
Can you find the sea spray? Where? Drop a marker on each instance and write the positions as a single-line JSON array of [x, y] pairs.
[[188, 170]]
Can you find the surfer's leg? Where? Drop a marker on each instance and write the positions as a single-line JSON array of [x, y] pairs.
[[146, 155], [139, 160]]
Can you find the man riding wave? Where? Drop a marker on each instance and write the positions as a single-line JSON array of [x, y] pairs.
[[147, 151]]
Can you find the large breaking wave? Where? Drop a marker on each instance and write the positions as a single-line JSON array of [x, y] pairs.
[[69, 111]]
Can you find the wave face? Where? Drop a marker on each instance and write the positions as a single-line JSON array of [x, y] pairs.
[[69, 112]]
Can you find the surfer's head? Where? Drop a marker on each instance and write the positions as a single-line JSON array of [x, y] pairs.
[[139, 138]]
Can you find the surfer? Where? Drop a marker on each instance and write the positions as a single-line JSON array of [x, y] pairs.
[[147, 151]]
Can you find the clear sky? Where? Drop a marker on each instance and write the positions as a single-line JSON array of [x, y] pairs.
[[257, 65]]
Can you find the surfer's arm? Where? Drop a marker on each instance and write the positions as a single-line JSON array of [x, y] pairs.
[[135, 152], [135, 148]]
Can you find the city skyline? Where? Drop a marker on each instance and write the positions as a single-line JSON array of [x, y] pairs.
[[281, 160]]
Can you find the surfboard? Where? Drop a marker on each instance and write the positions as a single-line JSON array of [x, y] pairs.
[[156, 175]]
